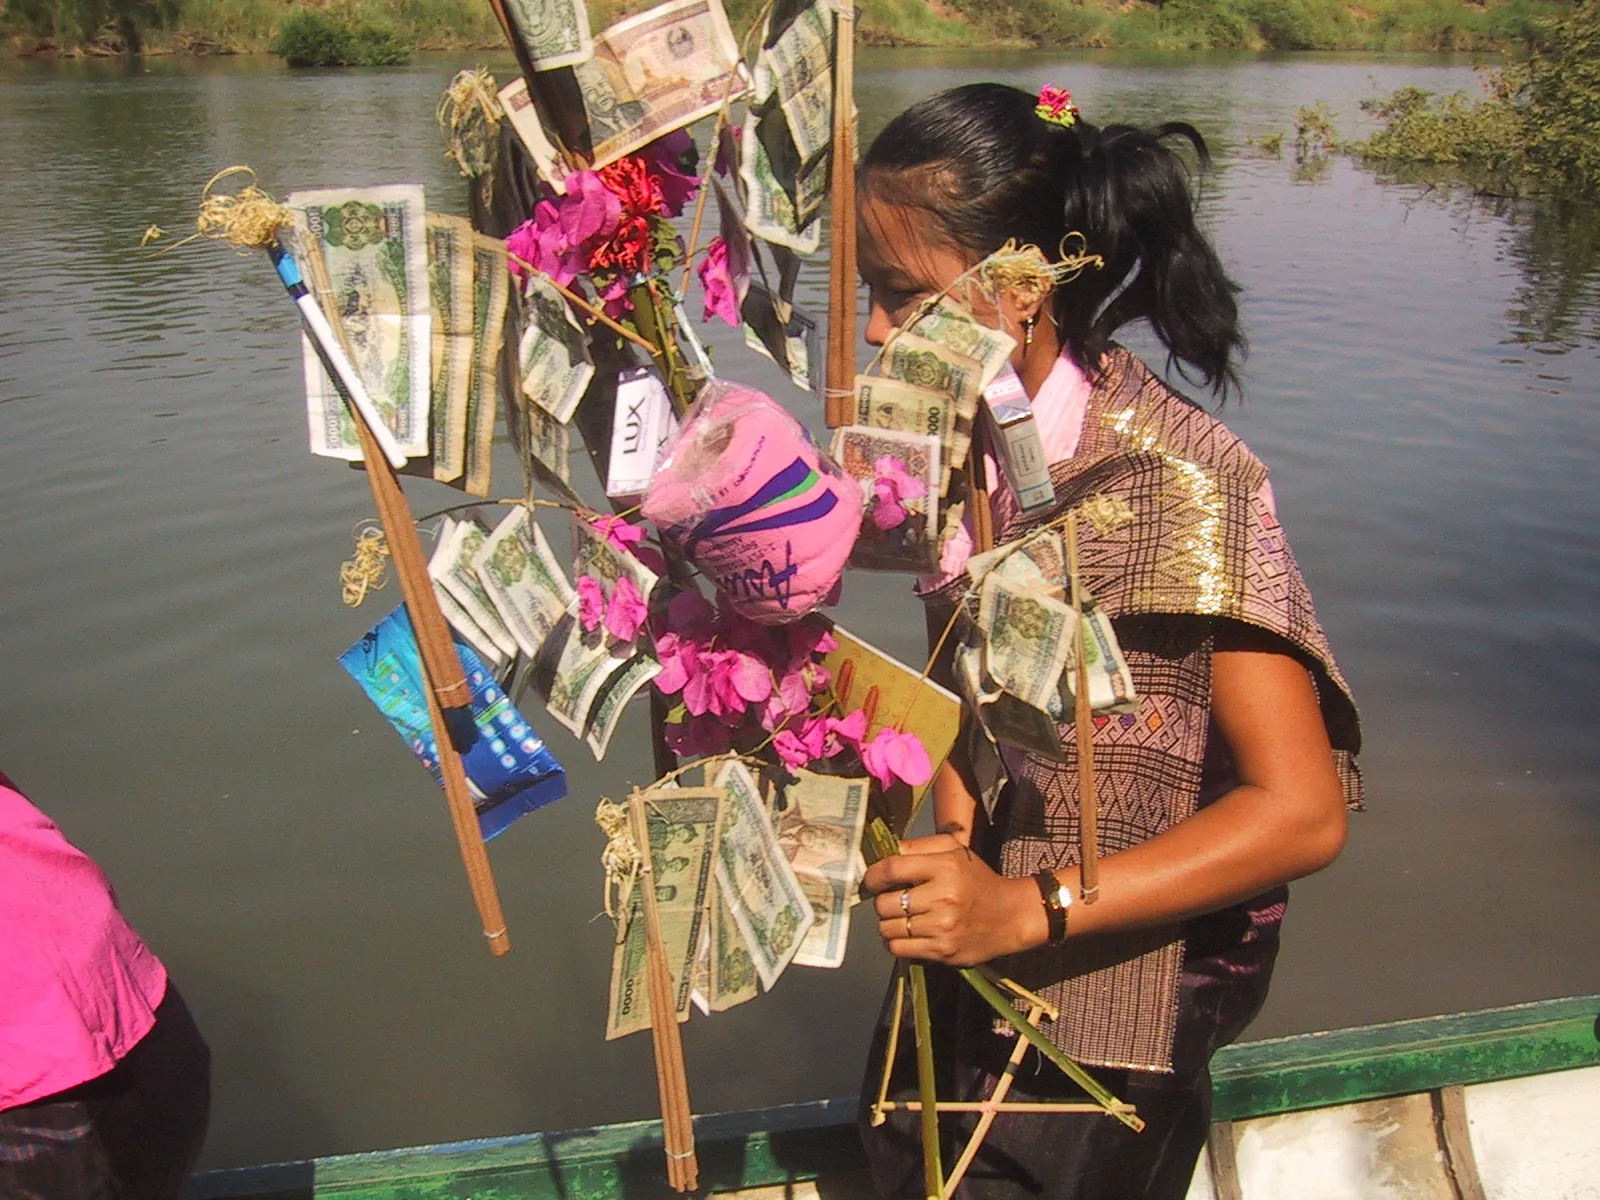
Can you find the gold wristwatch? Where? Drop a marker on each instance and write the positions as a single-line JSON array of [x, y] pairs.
[[1057, 899]]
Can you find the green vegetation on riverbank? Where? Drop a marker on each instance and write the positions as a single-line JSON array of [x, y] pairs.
[[1537, 128], [245, 26]]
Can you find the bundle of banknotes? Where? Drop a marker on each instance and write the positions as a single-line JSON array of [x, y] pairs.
[[787, 141], [505, 593], [741, 892], [642, 78], [1020, 673], [419, 301]]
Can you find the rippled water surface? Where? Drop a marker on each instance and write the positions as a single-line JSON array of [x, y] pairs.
[[1423, 383]]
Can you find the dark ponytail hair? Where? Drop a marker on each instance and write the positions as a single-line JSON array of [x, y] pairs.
[[984, 167]]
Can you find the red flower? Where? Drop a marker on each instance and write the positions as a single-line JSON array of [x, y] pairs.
[[631, 182], [627, 249]]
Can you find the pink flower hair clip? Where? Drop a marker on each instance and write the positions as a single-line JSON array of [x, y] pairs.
[[1055, 105]]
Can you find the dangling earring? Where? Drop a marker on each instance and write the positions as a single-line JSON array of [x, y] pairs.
[[1027, 330]]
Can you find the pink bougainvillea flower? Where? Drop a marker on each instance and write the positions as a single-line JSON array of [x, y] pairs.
[[810, 637], [540, 243], [698, 693], [671, 162], [747, 677], [589, 210], [616, 531], [799, 749], [626, 611], [892, 485], [591, 603], [892, 755], [846, 731], [722, 298], [679, 658]]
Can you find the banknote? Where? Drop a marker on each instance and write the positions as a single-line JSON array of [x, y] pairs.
[[450, 292], [491, 289], [451, 568], [656, 72], [930, 364], [772, 210], [523, 579], [1110, 682], [608, 709], [555, 33], [364, 254], [885, 403], [604, 562], [820, 833], [682, 828], [524, 118], [785, 333], [468, 628], [765, 899], [800, 64], [1029, 635], [956, 330], [1039, 560], [913, 544], [732, 971], [554, 352], [585, 666], [1004, 717], [549, 451]]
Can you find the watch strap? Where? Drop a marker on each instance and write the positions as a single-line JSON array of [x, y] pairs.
[[1054, 910]]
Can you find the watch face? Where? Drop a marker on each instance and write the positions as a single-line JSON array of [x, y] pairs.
[[1063, 895]]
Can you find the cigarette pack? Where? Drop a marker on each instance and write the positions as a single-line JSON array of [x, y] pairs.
[[1017, 436]]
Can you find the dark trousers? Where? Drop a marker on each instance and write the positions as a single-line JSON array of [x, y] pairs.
[[133, 1133]]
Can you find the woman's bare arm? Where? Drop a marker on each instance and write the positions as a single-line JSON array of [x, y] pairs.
[[1284, 820]]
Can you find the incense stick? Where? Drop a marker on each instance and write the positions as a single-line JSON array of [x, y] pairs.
[[677, 1122], [1088, 807], [842, 226]]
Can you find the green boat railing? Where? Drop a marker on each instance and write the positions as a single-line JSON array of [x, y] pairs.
[[797, 1143]]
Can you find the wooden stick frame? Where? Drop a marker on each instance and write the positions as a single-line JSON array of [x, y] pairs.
[[446, 684]]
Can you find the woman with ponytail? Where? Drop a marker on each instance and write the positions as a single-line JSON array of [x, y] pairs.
[[1232, 775]]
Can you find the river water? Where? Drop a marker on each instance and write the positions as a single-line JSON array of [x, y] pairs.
[[1425, 384]]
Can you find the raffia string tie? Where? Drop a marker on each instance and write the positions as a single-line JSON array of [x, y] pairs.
[[470, 112], [249, 218], [367, 570], [620, 859]]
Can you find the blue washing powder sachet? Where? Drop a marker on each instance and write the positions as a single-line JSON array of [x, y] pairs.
[[509, 769]]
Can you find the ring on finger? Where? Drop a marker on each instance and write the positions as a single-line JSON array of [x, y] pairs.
[[908, 927], [905, 903]]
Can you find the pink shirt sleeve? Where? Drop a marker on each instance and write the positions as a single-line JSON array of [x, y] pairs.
[[78, 988]]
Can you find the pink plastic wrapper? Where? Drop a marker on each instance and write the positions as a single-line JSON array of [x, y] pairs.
[[755, 504]]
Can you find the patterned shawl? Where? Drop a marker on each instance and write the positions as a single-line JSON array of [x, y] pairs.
[[1174, 526]]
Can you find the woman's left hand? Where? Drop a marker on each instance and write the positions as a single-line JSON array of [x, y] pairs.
[[937, 900]]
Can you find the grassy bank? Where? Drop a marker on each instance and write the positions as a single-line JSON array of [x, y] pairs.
[[250, 26]]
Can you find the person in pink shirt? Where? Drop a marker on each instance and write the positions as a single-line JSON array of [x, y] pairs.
[[105, 1081]]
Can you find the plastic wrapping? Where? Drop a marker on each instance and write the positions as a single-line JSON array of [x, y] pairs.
[[756, 504]]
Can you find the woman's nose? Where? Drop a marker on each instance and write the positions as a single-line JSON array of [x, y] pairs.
[[879, 326]]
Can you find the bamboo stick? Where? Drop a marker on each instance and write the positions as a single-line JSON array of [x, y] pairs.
[[927, 1087], [1088, 807], [841, 373], [891, 1044], [446, 681], [1043, 1106], [988, 1108], [677, 1122]]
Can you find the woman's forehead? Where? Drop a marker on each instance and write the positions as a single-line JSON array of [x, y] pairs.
[[903, 238]]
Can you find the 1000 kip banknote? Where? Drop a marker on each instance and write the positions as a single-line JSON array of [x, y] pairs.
[[554, 352], [555, 33], [800, 65], [765, 899], [886, 403], [491, 290], [656, 72], [957, 330], [450, 290], [682, 834], [522, 578], [930, 364], [913, 544], [1029, 635], [613, 702], [451, 567], [820, 832], [582, 672], [364, 254]]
